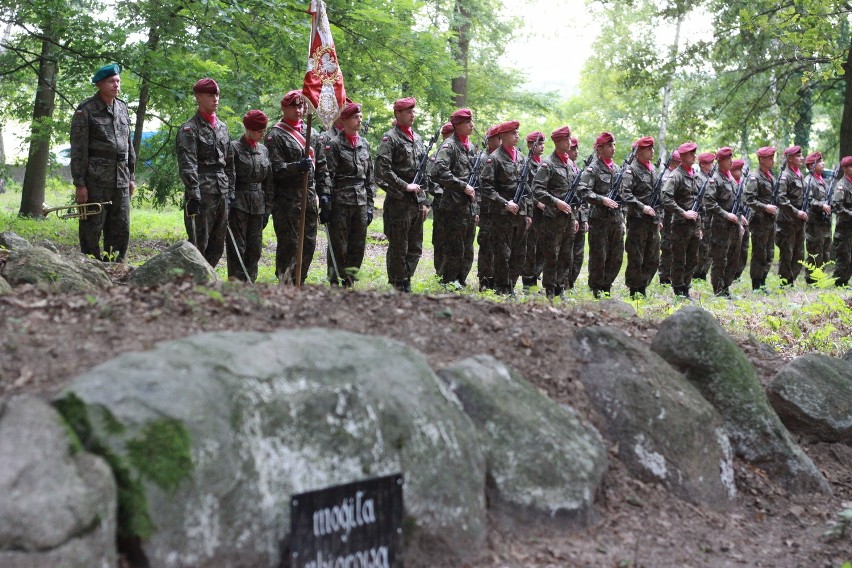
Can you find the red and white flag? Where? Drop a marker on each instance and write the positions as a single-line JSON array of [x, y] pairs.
[[323, 85]]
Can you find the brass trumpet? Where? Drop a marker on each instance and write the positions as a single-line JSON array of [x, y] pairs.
[[75, 211]]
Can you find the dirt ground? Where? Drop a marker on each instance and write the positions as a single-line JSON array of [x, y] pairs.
[[48, 339]]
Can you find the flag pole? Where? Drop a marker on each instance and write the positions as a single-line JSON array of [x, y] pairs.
[[300, 246]]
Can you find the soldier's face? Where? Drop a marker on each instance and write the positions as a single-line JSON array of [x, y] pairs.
[[352, 124], [207, 102], [511, 138], [737, 174], [494, 143], [847, 171], [293, 113], [561, 146], [819, 167], [538, 147], [795, 161], [607, 151], [255, 135], [687, 160], [110, 87], [645, 154], [573, 151], [405, 118], [766, 163], [725, 164], [464, 129]]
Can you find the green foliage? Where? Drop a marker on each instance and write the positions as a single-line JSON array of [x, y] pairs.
[[839, 528]]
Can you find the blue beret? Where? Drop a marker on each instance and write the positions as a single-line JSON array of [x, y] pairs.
[[106, 71]]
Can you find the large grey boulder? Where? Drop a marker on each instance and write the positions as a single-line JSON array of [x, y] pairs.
[[58, 503], [5, 288], [813, 395], [212, 434], [179, 260], [11, 241], [666, 432], [693, 342], [55, 273], [542, 462], [848, 356]]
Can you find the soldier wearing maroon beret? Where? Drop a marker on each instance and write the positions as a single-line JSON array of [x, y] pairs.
[[206, 164], [582, 215], [665, 235], [725, 228], [485, 256], [818, 227], [759, 197], [742, 256], [398, 158], [842, 206], [643, 221], [680, 192], [437, 193], [533, 263], [705, 164], [790, 224]]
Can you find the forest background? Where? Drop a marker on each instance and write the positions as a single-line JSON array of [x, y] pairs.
[[744, 74]]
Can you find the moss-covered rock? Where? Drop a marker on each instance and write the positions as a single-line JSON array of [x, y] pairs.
[[11, 241], [5, 288], [179, 260], [55, 273]]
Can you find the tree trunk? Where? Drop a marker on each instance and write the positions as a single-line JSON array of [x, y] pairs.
[[35, 176], [667, 93], [804, 117], [144, 89], [461, 28], [3, 170], [846, 120]]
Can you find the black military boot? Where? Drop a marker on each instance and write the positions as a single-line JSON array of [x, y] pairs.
[[634, 292], [528, 281], [558, 291], [406, 285], [596, 292], [642, 291]]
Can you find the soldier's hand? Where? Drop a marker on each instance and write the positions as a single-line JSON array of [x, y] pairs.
[[744, 221], [827, 208], [771, 209], [691, 215], [732, 218], [412, 187], [585, 226], [470, 191], [132, 188], [802, 215], [540, 205], [304, 164], [82, 194], [512, 207], [193, 207], [609, 203], [648, 210], [476, 219], [369, 215], [575, 227], [700, 234], [562, 206], [325, 208], [528, 221], [424, 211]]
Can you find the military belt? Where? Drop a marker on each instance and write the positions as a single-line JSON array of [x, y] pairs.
[[209, 168], [106, 155]]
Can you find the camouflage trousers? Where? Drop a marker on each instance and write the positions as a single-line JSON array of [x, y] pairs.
[[285, 219], [576, 265], [790, 238], [742, 255], [247, 229], [725, 253], [347, 231], [437, 232], [534, 262], [702, 266], [556, 248], [459, 232], [209, 229], [606, 251], [403, 226], [684, 251], [113, 222], [762, 247], [643, 251], [818, 242], [842, 245], [666, 250], [485, 256], [509, 239]]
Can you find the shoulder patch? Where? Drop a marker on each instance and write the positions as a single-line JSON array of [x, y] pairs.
[[783, 177], [385, 138], [79, 111], [328, 147], [545, 165], [187, 128], [488, 161], [445, 146], [753, 178], [269, 137], [590, 169]]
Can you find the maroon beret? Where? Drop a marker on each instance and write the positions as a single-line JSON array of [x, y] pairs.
[[402, 104], [460, 116], [508, 126], [604, 138], [447, 129], [706, 157], [491, 132], [206, 85], [535, 136], [574, 143], [737, 164], [687, 147], [293, 97], [350, 110], [724, 152], [766, 152], [793, 150], [675, 156], [846, 161], [560, 133], [813, 158], [645, 142], [255, 120]]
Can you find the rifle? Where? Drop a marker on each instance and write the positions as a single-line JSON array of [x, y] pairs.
[[776, 188], [421, 167], [806, 199], [613, 192], [699, 198], [521, 190], [570, 196], [476, 167], [365, 128], [655, 194], [738, 199], [825, 216]]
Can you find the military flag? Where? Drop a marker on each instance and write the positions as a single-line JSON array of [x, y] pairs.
[[323, 85]]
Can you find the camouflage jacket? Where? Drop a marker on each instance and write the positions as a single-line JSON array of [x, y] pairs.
[[397, 159], [719, 197], [350, 171], [595, 184], [679, 193], [841, 202], [102, 155], [819, 197], [285, 151], [253, 178], [500, 178], [637, 191], [550, 184], [204, 157], [452, 170], [758, 193], [791, 195]]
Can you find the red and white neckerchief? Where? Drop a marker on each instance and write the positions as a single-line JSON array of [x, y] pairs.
[[819, 177], [536, 159], [687, 170], [768, 174], [407, 131], [353, 140], [512, 152], [250, 143], [796, 171], [564, 158], [730, 176], [608, 163], [296, 135], [466, 141], [209, 118], [647, 165]]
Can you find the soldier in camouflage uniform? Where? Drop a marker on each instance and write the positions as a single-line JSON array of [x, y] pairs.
[[705, 164], [206, 165], [725, 227], [665, 235], [286, 142], [453, 168], [558, 224], [406, 206], [643, 220], [102, 166], [737, 173], [818, 227], [533, 263], [437, 213], [842, 206], [581, 213], [249, 212], [680, 192], [485, 257], [500, 177], [758, 198], [350, 168], [790, 225], [606, 223]]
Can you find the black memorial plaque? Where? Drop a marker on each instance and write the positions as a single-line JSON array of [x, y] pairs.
[[356, 525]]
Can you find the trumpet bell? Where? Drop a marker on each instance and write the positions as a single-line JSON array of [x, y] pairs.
[[75, 211]]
